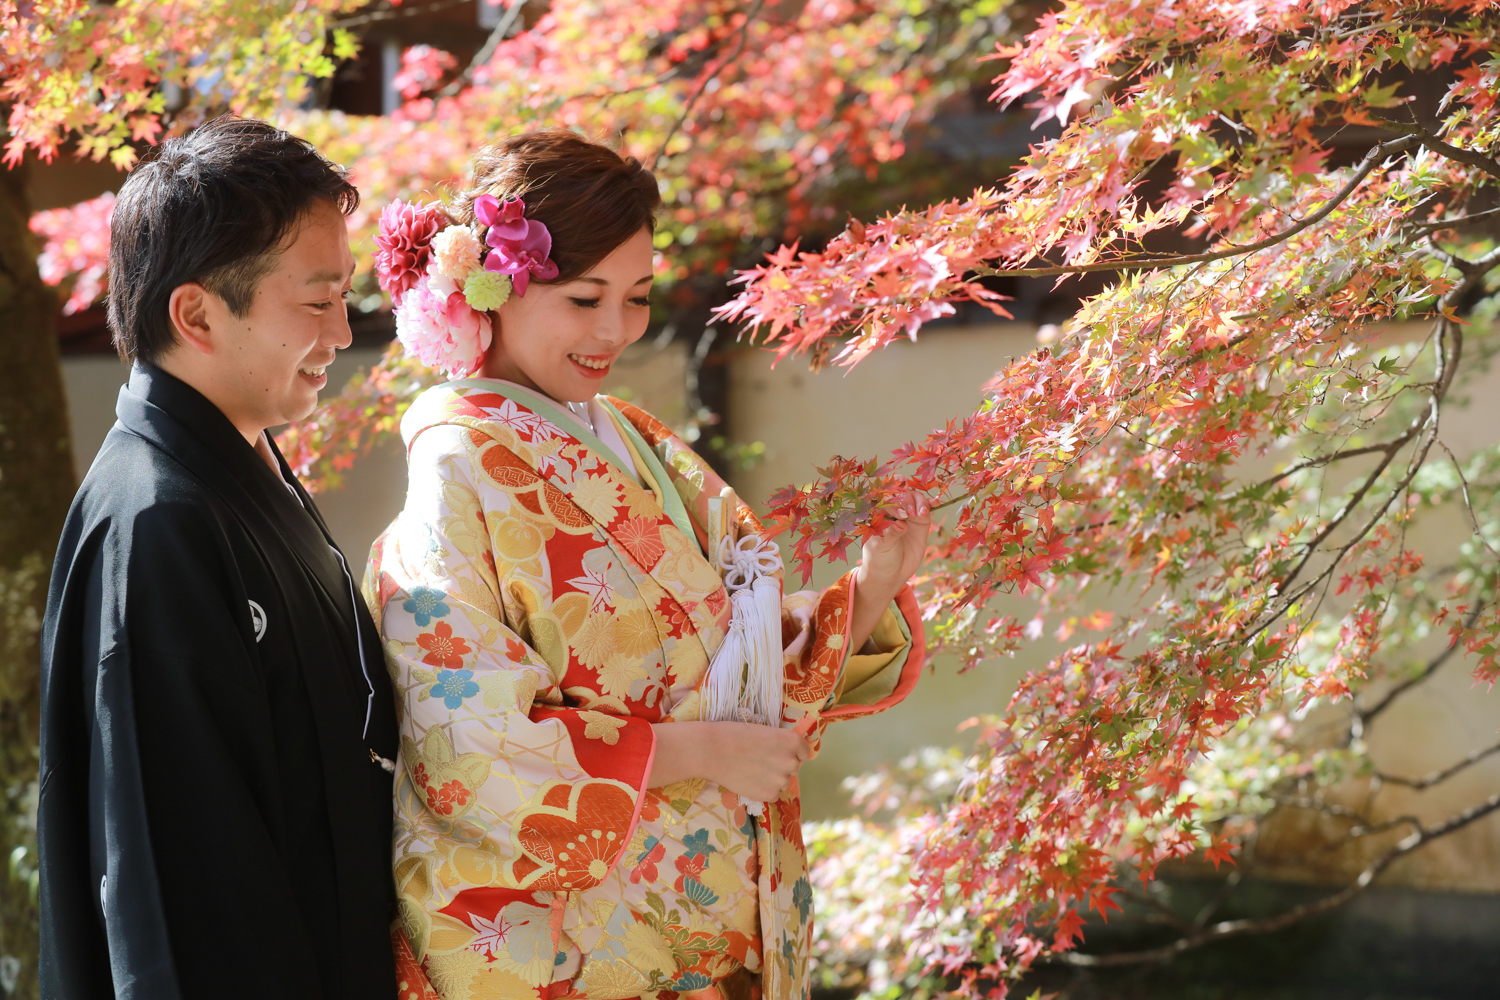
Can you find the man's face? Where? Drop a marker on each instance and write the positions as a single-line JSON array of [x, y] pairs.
[[272, 360]]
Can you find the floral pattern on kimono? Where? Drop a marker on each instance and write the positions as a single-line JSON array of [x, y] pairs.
[[541, 610]]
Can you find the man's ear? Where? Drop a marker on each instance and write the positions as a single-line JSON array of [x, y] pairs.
[[188, 310]]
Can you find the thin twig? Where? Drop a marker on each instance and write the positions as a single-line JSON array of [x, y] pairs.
[[1432, 667], [1463, 483], [1438, 777], [1235, 928], [1389, 447], [1371, 160], [744, 32], [482, 57], [1357, 497], [1464, 220], [394, 13], [1445, 149]]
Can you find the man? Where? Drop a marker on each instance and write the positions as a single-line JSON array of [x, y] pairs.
[[217, 726]]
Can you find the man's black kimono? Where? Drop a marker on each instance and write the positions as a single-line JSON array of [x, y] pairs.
[[217, 724]]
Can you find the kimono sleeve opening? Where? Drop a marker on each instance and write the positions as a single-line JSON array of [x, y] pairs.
[[554, 792], [879, 685], [819, 670]]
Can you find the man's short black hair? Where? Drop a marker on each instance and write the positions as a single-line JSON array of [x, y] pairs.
[[214, 206]]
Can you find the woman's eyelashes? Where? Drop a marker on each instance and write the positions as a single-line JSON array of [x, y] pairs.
[[584, 303]]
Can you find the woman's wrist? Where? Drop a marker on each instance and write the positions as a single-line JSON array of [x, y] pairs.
[[871, 598], [881, 591], [684, 750]]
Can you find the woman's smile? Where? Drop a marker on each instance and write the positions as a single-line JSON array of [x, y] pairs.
[[592, 365]]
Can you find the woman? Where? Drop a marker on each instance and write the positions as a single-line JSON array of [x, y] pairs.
[[569, 599]]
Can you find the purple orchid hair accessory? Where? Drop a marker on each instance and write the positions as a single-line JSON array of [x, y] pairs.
[[519, 247]]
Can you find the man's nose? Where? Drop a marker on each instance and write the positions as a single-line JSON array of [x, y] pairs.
[[339, 335]]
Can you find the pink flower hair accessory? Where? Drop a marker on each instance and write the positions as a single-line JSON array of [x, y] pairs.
[[404, 244], [426, 265], [519, 247]]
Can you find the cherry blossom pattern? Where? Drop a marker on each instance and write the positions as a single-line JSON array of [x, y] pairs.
[[426, 604], [444, 649]]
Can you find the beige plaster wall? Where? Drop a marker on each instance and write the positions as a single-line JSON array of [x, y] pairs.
[[902, 392], [896, 396]]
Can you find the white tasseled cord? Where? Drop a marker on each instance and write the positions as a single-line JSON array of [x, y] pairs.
[[745, 679]]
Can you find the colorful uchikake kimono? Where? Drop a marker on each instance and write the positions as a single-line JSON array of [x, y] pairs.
[[541, 609]]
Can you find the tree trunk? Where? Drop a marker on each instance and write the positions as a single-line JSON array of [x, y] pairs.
[[36, 486]]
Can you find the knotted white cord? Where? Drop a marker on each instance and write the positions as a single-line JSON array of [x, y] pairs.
[[745, 680]]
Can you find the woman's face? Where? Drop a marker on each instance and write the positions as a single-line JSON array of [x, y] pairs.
[[562, 339]]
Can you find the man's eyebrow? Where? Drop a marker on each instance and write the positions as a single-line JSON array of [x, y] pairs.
[[333, 277]]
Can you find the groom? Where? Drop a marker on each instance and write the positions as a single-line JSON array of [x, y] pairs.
[[217, 725]]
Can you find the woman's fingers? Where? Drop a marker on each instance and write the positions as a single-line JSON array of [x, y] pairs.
[[759, 762]]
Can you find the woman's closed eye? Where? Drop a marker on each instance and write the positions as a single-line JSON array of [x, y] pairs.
[[584, 303], [641, 300]]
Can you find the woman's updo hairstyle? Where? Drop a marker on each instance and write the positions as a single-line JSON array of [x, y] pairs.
[[589, 197]]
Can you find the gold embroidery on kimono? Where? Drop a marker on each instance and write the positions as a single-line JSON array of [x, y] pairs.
[[541, 609]]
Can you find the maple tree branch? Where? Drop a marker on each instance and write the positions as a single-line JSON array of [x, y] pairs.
[[744, 32], [1365, 715], [1231, 882], [395, 13], [1420, 837], [482, 57], [1165, 913], [1427, 417], [1447, 368], [1463, 485], [1464, 220], [1445, 149], [1318, 461], [1438, 777], [1363, 825], [1368, 164]]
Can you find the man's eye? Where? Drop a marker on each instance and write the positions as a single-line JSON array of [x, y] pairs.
[[584, 303]]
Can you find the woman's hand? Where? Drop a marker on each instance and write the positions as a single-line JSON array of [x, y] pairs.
[[887, 561], [752, 760]]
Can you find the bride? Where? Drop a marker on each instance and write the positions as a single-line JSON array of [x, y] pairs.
[[604, 693]]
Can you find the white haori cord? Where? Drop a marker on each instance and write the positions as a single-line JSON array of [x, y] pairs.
[[745, 680]]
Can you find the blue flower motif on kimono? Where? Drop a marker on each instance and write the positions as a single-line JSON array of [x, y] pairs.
[[453, 686], [698, 893], [425, 605], [802, 897], [697, 843], [691, 981]]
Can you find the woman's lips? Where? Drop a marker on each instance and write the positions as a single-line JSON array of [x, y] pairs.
[[591, 367]]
